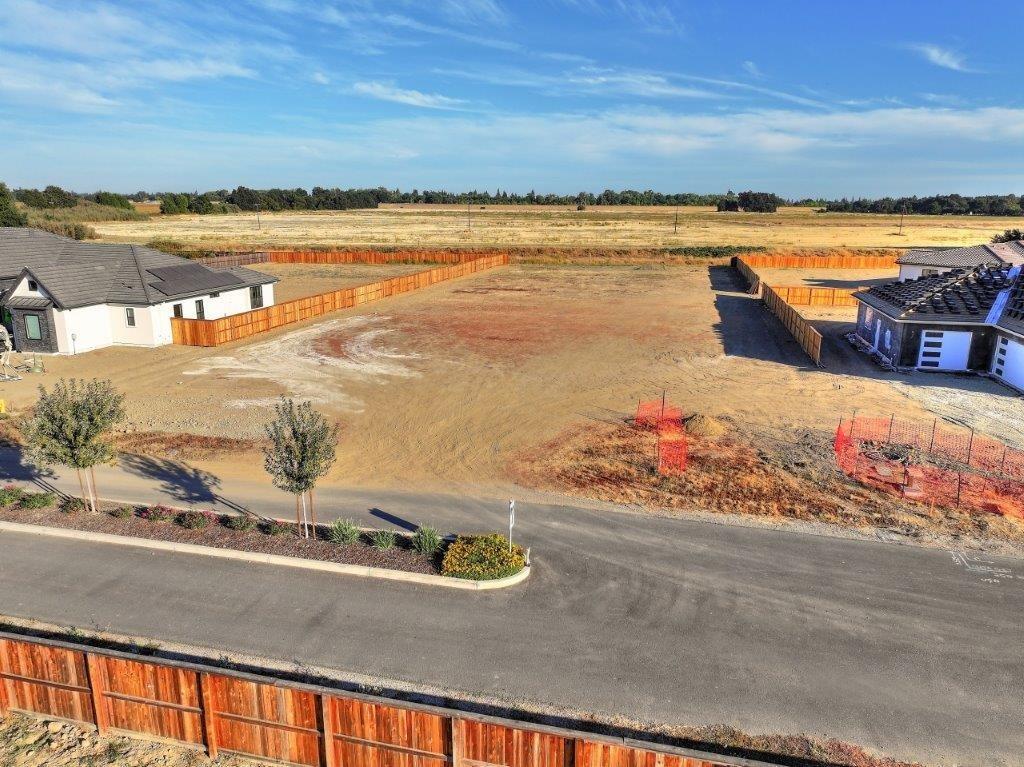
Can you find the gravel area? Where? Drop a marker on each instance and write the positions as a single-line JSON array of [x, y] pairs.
[[401, 557]]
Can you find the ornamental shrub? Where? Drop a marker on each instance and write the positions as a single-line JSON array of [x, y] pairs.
[[123, 512], [10, 494], [274, 527], [36, 500], [73, 505], [240, 523], [343, 531], [195, 520], [383, 539], [427, 541], [158, 513], [482, 558]]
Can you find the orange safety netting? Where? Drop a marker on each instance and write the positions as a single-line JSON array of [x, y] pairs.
[[667, 420], [932, 465]]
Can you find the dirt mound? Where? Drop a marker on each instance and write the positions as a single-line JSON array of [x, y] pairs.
[[709, 427]]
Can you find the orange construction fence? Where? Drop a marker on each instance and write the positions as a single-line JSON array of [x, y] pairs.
[[932, 464], [667, 420]]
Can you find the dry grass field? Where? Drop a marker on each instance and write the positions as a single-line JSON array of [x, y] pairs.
[[619, 227]]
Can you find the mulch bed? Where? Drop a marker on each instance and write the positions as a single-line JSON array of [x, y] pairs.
[[401, 557]]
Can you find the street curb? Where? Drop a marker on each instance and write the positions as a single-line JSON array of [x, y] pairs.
[[361, 571]]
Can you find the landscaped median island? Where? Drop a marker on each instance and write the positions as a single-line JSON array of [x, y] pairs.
[[426, 551]]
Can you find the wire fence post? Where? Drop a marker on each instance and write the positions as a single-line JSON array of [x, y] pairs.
[[931, 445]]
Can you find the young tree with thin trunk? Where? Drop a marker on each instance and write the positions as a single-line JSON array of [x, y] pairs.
[[70, 427], [301, 449]]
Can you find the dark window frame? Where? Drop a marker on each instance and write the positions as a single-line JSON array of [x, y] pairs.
[[255, 296], [177, 310], [129, 316], [200, 309]]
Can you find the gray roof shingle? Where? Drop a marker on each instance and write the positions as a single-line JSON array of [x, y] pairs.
[[78, 273], [996, 254]]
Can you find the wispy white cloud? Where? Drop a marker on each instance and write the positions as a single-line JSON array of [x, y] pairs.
[[390, 92], [752, 69], [941, 57], [649, 15]]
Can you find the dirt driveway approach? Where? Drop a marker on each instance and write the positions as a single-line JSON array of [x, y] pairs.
[[446, 387]]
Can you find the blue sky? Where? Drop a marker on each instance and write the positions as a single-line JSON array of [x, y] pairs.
[[801, 98]]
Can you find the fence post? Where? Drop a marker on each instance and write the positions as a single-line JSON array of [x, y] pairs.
[[959, 482], [325, 723], [892, 419], [5, 704], [931, 445], [577, 753], [97, 683], [458, 741], [970, 447], [205, 682]]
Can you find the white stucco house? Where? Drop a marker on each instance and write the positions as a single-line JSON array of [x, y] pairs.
[[930, 262], [65, 296]]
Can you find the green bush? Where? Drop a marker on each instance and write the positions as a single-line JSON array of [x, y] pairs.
[[194, 520], [427, 541], [36, 500], [343, 531], [274, 527], [482, 558], [73, 505], [240, 523], [10, 494], [383, 539], [123, 512]]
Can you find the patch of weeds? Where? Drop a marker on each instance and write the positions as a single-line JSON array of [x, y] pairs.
[[240, 523], [343, 531], [427, 541], [275, 527], [383, 539], [117, 750], [36, 500]]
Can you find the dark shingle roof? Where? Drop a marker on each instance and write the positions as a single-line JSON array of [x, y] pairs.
[[957, 296], [996, 254], [85, 273], [1012, 317]]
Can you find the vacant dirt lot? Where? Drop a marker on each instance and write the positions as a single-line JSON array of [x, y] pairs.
[[521, 226], [301, 280]]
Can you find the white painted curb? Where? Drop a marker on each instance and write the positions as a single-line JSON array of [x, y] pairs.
[[362, 571]]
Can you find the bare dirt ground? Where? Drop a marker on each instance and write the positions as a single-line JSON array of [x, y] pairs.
[[847, 279], [615, 226], [301, 280], [456, 387]]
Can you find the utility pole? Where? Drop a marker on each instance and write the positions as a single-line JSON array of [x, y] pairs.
[[903, 212], [675, 226], [469, 216], [259, 226]]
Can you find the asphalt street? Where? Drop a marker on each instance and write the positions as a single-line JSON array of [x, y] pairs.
[[913, 652]]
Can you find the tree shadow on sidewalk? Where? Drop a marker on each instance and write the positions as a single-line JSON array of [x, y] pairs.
[[185, 484], [15, 467]]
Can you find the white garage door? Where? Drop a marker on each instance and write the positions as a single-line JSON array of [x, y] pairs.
[[944, 350], [1008, 362]]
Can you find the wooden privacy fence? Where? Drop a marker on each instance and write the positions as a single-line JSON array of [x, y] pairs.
[[270, 719], [752, 278], [769, 261], [238, 326], [798, 326], [379, 256], [800, 295]]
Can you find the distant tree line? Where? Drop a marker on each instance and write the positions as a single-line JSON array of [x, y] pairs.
[[938, 205], [53, 197], [750, 202]]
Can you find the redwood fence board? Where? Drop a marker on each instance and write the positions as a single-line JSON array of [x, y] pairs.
[[293, 723], [770, 261], [803, 295]]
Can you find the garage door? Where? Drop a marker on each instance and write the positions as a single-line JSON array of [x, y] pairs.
[[1008, 362], [944, 350]]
